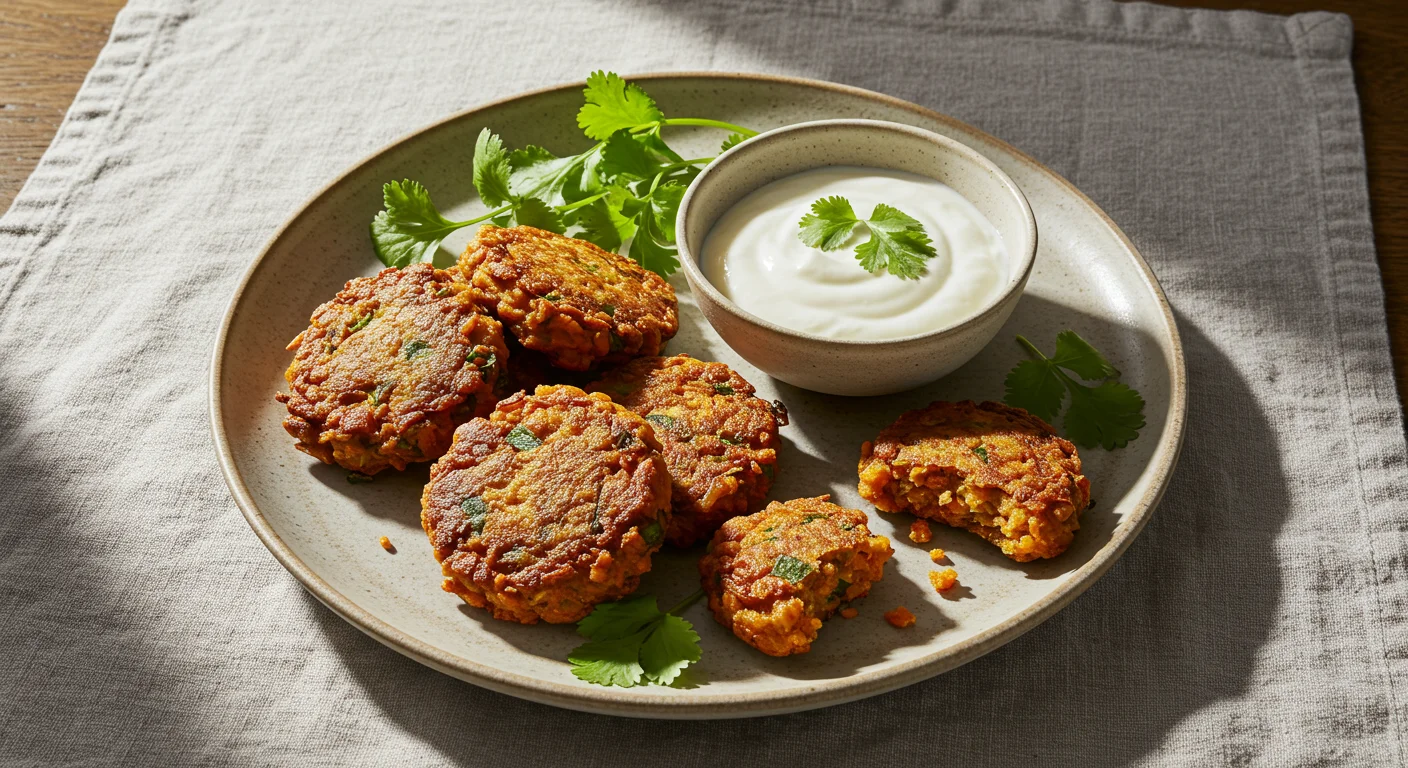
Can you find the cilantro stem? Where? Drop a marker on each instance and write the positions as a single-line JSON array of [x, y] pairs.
[[687, 602], [580, 203], [1030, 347], [491, 214], [748, 133]]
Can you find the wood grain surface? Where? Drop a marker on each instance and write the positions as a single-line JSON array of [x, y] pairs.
[[47, 46]]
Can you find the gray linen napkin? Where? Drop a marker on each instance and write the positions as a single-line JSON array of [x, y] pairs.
[[1261, 618]]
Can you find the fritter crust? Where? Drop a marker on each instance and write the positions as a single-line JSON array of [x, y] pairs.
[[387, 370], [569, 299], [992, 469], [720, 440], [773, 576], [547, 531]]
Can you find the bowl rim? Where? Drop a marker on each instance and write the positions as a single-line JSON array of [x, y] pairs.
[[633, 702], [699, 282]]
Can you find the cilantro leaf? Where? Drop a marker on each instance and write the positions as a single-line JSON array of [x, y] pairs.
[[612, 105], [898, 242], [599, 227], [612, 621], [491, 169], [646, 250], [671, 647], [410, 229], [631, 642], [609, 662], [665, 205], [1034, 387], [1075, 354], [830, 224], [532, 212], [1109, 414], [623, 156], [536, 172], [733, 140]]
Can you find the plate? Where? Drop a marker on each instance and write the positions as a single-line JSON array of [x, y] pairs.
[[1088, 277]]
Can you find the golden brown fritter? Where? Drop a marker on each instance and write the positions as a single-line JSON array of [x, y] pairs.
[[569, 299], [551, 505], [387, 370], [992, 469], [773, 576], [720, 440]]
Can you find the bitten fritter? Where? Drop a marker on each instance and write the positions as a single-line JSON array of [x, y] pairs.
[[773, 576], [387, 370], [574, 302], [551, 505], [992, 469], [720, 439]]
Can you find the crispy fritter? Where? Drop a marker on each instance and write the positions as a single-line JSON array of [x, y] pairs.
[[992, 469], [387, 370], [773, 576], [527, 370], [551, 505], [569, 299], [720, 440]]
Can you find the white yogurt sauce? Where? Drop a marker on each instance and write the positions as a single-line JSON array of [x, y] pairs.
[[754, 257]]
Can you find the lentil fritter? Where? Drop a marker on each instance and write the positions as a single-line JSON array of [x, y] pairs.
[[569, 299], [992, 469], [772, 577], [720, 440], [553, 504], [388, 368]]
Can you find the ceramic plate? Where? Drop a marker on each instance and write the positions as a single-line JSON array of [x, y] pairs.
[[1088, 277]]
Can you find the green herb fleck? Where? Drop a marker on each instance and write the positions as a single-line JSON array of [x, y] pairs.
[[360, 323], [652, 533], [357, 478], [553, 297], [729, 440], [475, 512], [723, 389], [813, 517], [490, 360], [1109, 414], [382, 392], [519, 437], [415, 349], [609, 309], [789, 568], [839, 593], [982, 453]]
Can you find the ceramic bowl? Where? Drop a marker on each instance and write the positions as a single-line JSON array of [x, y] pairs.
[[841, 366]]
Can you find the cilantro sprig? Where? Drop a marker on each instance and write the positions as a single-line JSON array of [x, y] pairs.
[[626, 188], [897, 243], [631, 642], [1108, 414]]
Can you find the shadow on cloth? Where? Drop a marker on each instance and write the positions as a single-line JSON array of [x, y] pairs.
[[1051, 693]]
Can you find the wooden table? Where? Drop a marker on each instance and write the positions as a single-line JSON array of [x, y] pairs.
[[47, 46]]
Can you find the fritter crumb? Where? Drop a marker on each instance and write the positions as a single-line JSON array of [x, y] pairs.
[[920, 533], [937, 555], [386, 544], [944, 580], [772, 577], [990, 468], [849, 612], [900, 617]]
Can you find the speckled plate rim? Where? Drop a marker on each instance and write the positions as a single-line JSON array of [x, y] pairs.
[[705, 705]]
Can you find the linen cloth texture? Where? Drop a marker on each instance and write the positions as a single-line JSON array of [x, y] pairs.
[[1260, 619]]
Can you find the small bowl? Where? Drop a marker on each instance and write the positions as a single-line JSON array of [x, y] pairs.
[[842, 366]]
